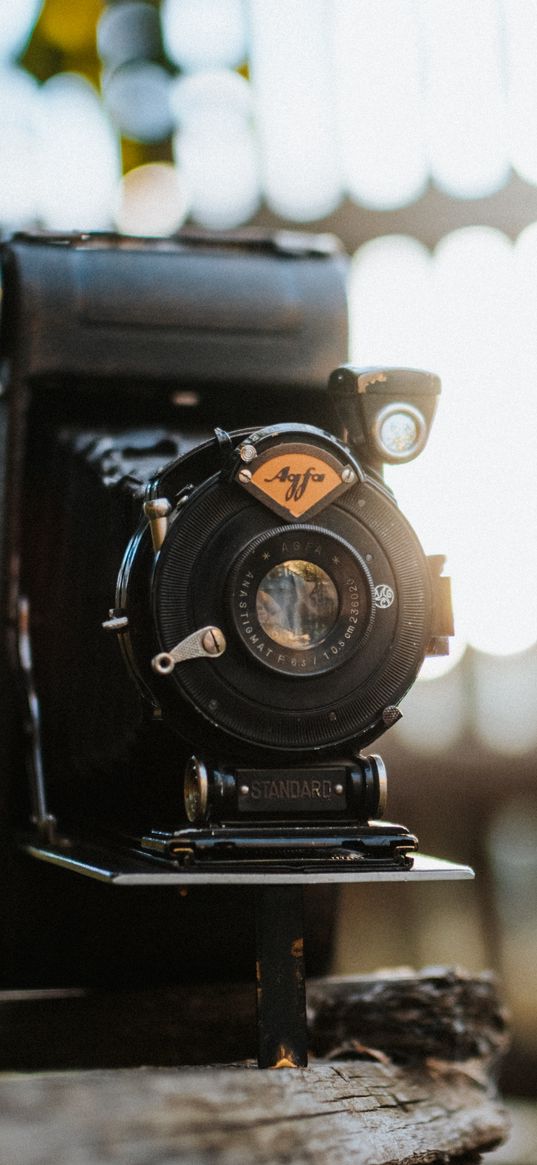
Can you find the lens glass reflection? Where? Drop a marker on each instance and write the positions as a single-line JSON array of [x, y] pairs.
[[297, 604], [399, 433]]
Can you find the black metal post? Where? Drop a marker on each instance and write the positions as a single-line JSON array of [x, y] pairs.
[[282, 1036]]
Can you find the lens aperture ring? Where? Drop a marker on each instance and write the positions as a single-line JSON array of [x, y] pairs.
[[301, 600]]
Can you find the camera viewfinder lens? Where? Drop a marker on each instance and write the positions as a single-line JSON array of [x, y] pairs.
[[399, 432]]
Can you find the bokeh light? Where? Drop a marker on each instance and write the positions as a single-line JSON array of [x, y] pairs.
[[376, 80], [77, 161], [215, 147], [463, 97], [504, 701], [204, 34], [137, 100], [17, 20], [294, 107], [462, 311], [19, 101], [128, 32], [152, 201], [520, 24], [210, 93]]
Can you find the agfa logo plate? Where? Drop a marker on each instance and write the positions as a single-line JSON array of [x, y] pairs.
[[296, 481]]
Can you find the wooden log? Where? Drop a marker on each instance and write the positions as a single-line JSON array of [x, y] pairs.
[[444, 1013], [344, 1114], [412, 1083]]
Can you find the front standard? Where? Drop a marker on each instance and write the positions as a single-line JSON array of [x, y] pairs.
[[273, 608]]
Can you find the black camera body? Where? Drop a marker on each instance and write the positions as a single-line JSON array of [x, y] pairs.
[[213, 602]]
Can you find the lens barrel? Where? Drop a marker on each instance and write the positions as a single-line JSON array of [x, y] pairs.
[[313, 576]]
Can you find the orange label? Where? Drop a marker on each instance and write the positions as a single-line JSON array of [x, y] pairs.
[[296, 481]]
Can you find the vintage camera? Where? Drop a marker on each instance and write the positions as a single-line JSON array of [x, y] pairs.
[[214, 604]]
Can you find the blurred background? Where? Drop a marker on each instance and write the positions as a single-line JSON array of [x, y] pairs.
[[409, 129]]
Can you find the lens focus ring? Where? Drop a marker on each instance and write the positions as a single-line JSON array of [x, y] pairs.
[[301, 600]]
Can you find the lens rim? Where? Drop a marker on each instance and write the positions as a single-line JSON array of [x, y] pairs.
[[354, 586]]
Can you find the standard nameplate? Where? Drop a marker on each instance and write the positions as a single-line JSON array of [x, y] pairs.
[[282, 793]]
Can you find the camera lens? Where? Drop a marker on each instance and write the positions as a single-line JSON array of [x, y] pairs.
[[297, 603], [326, 620], [307, 613]]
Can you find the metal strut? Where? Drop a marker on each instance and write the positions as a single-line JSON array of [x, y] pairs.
[[282, 1037]]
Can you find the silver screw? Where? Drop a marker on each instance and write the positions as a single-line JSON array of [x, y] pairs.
[[348, 475], [244, 476], [338, 789], [247, 452], [244, 790], [213, 641]]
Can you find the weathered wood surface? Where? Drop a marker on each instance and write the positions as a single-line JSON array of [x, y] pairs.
[[439, 1012], [410, 1080], [340, 1114]]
